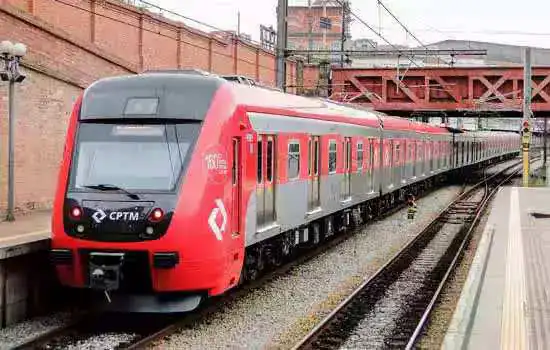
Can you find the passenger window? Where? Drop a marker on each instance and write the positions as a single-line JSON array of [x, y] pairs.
[[360, 156], [260, 162], [397, 155], [309, 157], [293, 159], [332, 157], [269, 160], [316, 157]]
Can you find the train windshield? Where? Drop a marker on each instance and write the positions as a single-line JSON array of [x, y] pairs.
[[132, 157]]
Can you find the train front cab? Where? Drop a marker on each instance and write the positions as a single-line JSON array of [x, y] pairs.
[[146, 188]]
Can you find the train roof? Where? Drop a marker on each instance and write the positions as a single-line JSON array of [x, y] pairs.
[[184, 95], [317, 108]]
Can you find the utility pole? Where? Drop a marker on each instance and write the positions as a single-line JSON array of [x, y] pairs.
[[282, 12], [344, 8], [238, 23], [544, 137], [526, 124]]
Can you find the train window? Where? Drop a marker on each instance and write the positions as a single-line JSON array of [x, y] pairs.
[[260, 160], [293, 159], [414, 152], [345, 151], [113, 154], [309, 151], [397, 157], [269, 158], [332, 157], [360, 156], [316, 157]]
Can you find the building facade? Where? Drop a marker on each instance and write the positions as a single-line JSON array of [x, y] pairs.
[[317, 25]]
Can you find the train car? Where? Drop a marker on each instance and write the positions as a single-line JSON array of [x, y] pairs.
[[177, 187]]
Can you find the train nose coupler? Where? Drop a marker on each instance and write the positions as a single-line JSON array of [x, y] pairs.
[[105, 272]]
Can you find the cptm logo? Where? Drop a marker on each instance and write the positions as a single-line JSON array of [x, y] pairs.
[[100, 215]]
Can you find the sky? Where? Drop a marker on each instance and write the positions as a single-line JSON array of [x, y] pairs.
[[502, 21]]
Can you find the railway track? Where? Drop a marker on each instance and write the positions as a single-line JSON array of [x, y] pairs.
[[143, 331], [139, 332], [390, 309]]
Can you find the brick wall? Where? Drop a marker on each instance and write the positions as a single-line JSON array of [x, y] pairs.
[[147, 41], [75, 42]]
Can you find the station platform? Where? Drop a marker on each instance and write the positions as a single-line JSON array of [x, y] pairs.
[[27, 283], [25, 234], [505, 302]]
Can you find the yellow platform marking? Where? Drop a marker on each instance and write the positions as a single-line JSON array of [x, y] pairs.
[[514, 330]]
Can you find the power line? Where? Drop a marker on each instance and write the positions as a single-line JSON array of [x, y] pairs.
[[161, 9], [489, 32], [374, 31], [400, 23], [405, 28]]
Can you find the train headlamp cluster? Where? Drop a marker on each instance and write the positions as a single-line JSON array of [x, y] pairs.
[[155, 217]]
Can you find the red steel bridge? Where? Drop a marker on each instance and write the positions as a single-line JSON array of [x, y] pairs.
[[456, 90]]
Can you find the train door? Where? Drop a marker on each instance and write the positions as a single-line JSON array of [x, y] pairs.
[[265, 188], [269, 194], [236, 186], [390, 161], [313, 172], [370, 166], [346, 181], [414, 157], [396, 164]]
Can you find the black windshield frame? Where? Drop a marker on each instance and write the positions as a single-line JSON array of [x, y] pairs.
[[177, 131]]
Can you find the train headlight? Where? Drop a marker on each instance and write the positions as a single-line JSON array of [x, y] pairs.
[[76, 213], [149, 231], [156, 215], [80, 228]]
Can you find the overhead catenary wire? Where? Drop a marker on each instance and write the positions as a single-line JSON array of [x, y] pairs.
[[405, 27], [163, 35], [375, 32]]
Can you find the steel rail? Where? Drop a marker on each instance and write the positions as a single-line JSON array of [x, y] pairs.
[[214, 304], [473, 225], [325, 323]]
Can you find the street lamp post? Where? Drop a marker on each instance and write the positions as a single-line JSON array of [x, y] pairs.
[[11, 54]]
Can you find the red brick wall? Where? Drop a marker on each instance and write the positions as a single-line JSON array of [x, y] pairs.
[[149, 41], [298, 25], [72, 43]]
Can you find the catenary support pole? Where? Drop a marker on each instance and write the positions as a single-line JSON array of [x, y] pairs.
[[544, 138], [282, 11], [526, 114], [343, 38]]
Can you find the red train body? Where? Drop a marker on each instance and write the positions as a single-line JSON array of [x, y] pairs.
[[174, 187]]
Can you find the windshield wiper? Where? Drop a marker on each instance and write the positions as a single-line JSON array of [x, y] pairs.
[[107, 187]]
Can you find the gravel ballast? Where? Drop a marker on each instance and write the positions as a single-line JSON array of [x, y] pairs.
[[20, 333], [280, 312]]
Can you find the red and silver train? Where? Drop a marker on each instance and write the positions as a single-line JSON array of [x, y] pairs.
[[175, 187]]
